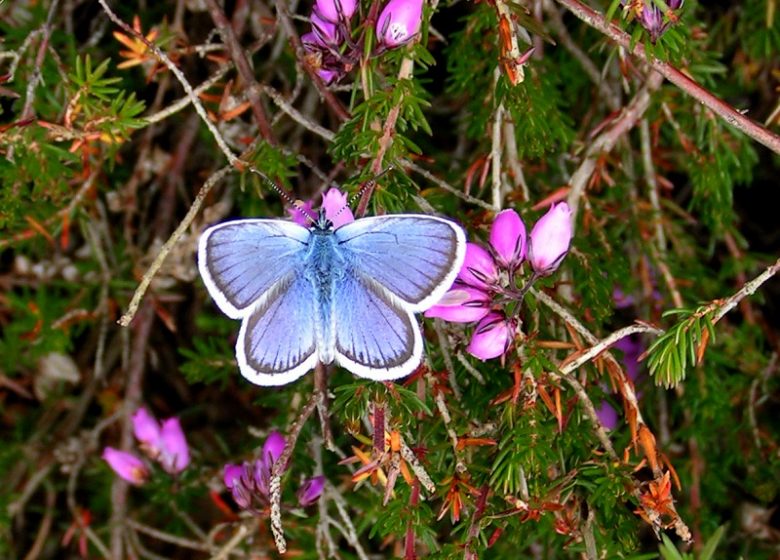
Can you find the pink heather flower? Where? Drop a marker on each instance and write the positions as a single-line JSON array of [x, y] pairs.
[[479, 268], [126, 465], [329, 9], [310, 491], [336, 207], [273, 447], [175, 454], [231, 474], [491, 337], [507, 237], [164, 443], [327, 76], [272, 450], [399, 22], [325, 32], [303, 214], [147, 432], [461, 304], [550, 239]]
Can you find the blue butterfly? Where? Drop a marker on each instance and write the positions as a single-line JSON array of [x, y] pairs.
[[345, 295]]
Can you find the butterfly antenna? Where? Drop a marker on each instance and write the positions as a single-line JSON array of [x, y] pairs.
[[287, 197], [367, 185]]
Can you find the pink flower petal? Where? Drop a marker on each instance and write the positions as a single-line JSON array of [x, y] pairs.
[[507, 236], [550, 239], [175, 452], [399, 22], [310, 491], [479, 269], [303, 215], [126, 465], [336, 207], [461, 305], [491, 337], [147, 431], [329, 9]]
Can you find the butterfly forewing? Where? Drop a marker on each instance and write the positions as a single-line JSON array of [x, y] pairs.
[[375, 336], [240, 261], [416, 258], [277, 341]]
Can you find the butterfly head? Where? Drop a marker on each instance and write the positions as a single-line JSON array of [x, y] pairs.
[[323, 223]]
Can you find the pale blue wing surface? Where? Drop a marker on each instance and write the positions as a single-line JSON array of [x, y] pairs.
[[414, 257], [375, 336], [243, 259], [277, 341]]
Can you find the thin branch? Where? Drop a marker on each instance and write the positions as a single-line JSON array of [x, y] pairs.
[[678, 78], [747, 290], [238, 55], [275, 485], [607, 140]]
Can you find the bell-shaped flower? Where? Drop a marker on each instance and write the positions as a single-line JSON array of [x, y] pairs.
[[492, 337], [175, 453], [507, 237], [461, 304], [272, 450], [331, 10], [336, 207], [326, 32], [310, 491], [239, 484], [303, 212], [147, 432], [164, 443], [126, 465], [550, 239], [399, 22], [479, 269]]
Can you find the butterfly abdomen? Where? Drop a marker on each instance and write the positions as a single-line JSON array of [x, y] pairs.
[[323, 266]]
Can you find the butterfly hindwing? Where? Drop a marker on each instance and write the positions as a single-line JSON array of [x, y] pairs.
[[414, 257], [376, 337], [277, 341], [240, 261]]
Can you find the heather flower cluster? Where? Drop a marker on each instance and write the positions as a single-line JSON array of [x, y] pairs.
[[163, 442], [249, 482], [330, 47], [651, 17], [487, 280]]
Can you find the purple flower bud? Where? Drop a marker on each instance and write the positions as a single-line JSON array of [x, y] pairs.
[[231, 475], [273, 448], [507, 236], [126, 465], [330, 9], [310, 491], [336, 207], [491, 337], [479, 268], [175, 456], [652, 19], [461, 305], [550, 239], [399, 22], [147, 431]]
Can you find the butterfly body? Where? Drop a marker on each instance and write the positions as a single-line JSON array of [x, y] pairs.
[[344, 295]]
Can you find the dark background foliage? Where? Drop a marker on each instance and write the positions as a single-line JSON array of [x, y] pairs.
[[100, 161]]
